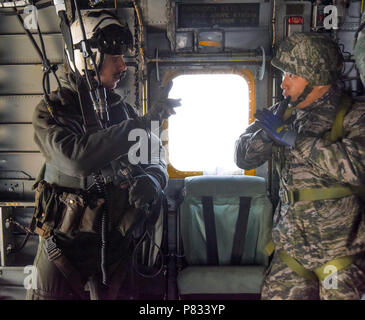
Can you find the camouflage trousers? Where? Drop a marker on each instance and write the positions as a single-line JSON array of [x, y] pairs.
[[52, 285], [282, 283]]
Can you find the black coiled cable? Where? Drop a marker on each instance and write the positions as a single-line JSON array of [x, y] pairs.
[[101, 190]]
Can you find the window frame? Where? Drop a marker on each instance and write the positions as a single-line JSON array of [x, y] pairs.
[[250, 79]]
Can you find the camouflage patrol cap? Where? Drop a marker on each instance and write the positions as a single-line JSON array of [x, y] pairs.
[[312, 56]]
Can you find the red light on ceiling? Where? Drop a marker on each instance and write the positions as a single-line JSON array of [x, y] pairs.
[[295, 20]]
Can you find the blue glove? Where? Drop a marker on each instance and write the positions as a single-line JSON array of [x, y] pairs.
[[275, 128]]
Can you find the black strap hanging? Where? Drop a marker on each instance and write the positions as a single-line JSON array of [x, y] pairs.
[[241, 228], [210, 231]]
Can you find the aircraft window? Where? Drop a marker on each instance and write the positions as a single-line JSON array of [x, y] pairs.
[[214, 112]]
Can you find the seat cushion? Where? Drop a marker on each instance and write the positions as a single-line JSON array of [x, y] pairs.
[[222, 280], [226, 192]]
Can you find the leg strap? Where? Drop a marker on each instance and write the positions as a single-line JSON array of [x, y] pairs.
[[318, 273], [297, 267], [339, 264], [64, 266]]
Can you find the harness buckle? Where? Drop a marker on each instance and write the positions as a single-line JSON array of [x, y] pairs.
[[53, 252], [287, 197]]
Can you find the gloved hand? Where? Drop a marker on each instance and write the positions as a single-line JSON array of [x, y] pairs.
[[144, 191], [275, 128], [162, 107]]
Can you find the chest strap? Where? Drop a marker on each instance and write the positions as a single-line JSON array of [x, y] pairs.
[[312, 194]]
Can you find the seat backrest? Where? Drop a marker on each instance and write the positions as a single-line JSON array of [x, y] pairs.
[[220, 197]]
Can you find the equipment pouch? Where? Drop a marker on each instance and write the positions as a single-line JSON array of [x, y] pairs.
[[91, 218], [71, 214], [79, 215], [46, 209]]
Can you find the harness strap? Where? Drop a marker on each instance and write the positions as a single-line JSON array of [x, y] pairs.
[[296, 266], [210, 231], [240, 233], [312, 194], [72, 276], [337, 127], [339, 264], [318, 273], [315, 275], [270, 248]]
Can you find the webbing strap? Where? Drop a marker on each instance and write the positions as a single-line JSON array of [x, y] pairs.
[[297, 267], [210, 231], [71, 275], [319, 273], [270, 248], [339, 264], [337, 127], [312, 194], [240, 232], [288, 112]]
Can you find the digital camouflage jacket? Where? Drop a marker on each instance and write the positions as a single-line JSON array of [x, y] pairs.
[[315, 232]]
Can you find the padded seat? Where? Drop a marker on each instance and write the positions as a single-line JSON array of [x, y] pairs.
[[230, 258]]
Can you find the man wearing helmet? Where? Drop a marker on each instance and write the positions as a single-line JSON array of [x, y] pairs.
[[318, 226], [84, 172]]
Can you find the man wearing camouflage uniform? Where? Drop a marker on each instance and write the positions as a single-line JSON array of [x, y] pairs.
[[318, 226]]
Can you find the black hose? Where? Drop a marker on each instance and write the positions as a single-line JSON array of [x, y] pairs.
[[100, 184], [47, 67], [101, 190]]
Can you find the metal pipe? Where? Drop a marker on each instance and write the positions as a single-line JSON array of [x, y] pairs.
[[200, 60]]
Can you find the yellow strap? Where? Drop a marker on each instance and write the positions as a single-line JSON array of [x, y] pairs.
[[288, 112], [312, 194], [270, 248], [339, 264], [297, 267], [337, 127], [319, 273]]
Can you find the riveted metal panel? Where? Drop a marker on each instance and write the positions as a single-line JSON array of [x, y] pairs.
[[17, 137], [6, 237], [155, 12], [23, 79], [48, 22], [14, 192], [18, 48], [18, 108], [248, 39], [20, 165]]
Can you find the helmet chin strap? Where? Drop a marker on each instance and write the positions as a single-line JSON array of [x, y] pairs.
[[307, 90]]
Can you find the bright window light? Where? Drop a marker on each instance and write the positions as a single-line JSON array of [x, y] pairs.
[[213, 114]]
